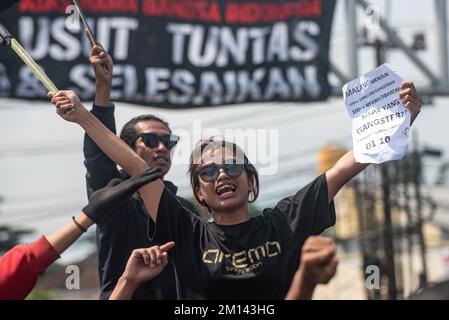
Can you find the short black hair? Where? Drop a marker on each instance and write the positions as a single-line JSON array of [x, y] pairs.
[[129, 133]]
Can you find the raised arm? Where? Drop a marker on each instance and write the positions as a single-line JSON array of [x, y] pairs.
[[102, 64], [116, 149], [318, 266], [100, 169], [346, 168], [20, 267]]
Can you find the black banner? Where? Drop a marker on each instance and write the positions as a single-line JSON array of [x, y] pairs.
[[175, 53]]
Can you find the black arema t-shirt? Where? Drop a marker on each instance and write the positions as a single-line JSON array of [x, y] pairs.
[[255, 259]]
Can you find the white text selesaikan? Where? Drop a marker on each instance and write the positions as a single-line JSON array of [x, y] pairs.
[[176, 54]]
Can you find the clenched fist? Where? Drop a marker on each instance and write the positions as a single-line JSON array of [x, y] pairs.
[[68, 105], [318, 266]]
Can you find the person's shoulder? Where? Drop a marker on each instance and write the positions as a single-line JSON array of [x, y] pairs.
[[315, 186], [188, 204], [267, 211], [267, 215], [274, 215]]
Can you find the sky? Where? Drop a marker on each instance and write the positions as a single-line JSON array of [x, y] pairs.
[[41, 163]]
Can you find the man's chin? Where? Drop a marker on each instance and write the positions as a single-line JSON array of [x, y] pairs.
[[165, 167]]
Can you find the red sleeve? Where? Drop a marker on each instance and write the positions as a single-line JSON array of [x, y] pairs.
[[20, 267]]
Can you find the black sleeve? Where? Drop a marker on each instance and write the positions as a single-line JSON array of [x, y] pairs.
[[308, 212], [100, 169], [176, 223]]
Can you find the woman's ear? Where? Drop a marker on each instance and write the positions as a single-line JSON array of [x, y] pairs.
[[199, 195]]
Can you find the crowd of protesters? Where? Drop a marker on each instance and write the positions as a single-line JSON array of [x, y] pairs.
[[153, 244]]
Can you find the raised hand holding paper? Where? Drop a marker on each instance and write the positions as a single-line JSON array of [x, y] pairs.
[[381, 123]]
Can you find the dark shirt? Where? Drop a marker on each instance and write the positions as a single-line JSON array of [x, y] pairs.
[[255, 259], [128, 227]]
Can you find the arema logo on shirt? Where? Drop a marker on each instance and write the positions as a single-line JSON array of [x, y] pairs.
[[245, 260]]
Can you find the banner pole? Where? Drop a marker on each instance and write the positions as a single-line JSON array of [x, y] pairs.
[[88, 30], [89, 33], [7, 39], [38, 72]]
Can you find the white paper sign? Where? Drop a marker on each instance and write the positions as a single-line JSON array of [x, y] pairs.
[[381, 123]]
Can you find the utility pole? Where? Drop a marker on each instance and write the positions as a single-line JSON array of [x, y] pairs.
[[389, 263], [398, 230], [417, 178], [388, 233], [368, 229], [364, 241], [379, 46], [406, 172], [372, 222]]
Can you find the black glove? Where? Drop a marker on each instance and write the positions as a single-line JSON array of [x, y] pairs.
[[103, 200]]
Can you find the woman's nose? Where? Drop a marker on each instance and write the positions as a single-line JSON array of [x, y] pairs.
[[222, 174], [161, 146]]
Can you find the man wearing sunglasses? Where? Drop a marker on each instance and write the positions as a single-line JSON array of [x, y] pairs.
[[131, 227]]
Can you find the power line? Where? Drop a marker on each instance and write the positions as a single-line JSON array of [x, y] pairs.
[[49, 207], [289, 117], [281, 177], [64, 148], [277, 195], [290, 174], [38, 217], [303, 153], [234, 117], [40, 150], [44, 195]]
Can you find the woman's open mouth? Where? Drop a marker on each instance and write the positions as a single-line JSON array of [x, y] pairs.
[[225, 189]]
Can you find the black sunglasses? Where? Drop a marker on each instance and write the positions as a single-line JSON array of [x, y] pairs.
[[210, 172], [151, 140]]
